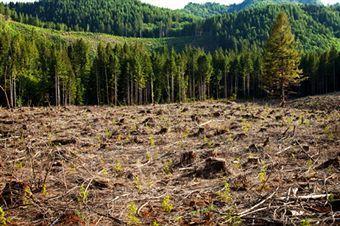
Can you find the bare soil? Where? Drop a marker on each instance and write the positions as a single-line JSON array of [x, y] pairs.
[[205, 163]]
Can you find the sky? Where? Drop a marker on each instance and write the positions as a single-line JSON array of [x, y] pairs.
[[177, 4]]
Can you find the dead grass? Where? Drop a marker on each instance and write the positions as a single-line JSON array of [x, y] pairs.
[[171, 164]]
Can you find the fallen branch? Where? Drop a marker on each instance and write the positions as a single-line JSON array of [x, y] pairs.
[[305, 197], [205, 123], [141, 207], [259, 204]]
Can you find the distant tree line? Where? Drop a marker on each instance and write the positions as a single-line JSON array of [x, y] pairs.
[[118, 17], [37, 71], [314, 26]]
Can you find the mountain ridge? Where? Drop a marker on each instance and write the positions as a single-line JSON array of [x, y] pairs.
[[209, 9]]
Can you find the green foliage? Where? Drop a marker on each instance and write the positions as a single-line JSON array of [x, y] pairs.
[[205, 10], [132, 214], [83, 194], [167, 167], [44, 190], [166, 204], [281, 59], [152, 141], [225, 195], [315, 27], [155, 223], [121, 17], [137, 183], [3, 219], [305, 222], [72, 68], [262, 176], [118, 167]]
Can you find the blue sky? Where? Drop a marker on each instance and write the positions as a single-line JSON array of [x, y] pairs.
[[175, 4]]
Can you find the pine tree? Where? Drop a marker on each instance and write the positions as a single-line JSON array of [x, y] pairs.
[[281, 59]]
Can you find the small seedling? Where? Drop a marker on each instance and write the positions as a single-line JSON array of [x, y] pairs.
[[230, 138], [19, 165], [27, 195], [150, 183], [80, 214], [225, 195], [330, 198], [154, 223], [231, 217], [104, 172], [128, 137], [309, 165], [305, 222], [185, 133], [178, 218], [152, 141], [166, 204], [132, 214], [83, 194], [207, 141], [3, 219], [167, 167], [108, 133], [44, 190], [237, 163], [327, 130], [138, 184], [262, 176], [148, 156], [118, 167], [246, 126]]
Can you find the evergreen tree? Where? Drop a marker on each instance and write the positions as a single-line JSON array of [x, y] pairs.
[[281, 59]]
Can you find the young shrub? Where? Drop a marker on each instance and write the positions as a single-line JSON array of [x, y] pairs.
[[132, 214], [118, 167], [83, 194], [305, 222], [263, 174], [167, 167], [138, 184], [3, 219], [225, 195], [166, 204], [152, 141], [148, 156], [44, 190], [246, 126]]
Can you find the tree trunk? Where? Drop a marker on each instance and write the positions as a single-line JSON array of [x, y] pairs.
[[6, 97], [14, 92], [115, 91], [283, 97], [107, 87], [98, 88], [152, 92], [128, 93]]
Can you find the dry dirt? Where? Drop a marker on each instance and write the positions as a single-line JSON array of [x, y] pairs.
[[206, 163]]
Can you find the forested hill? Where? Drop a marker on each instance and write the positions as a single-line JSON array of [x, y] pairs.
[[205, 10], [119, 17], [315, 27], [210, 9], [260, 3]]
